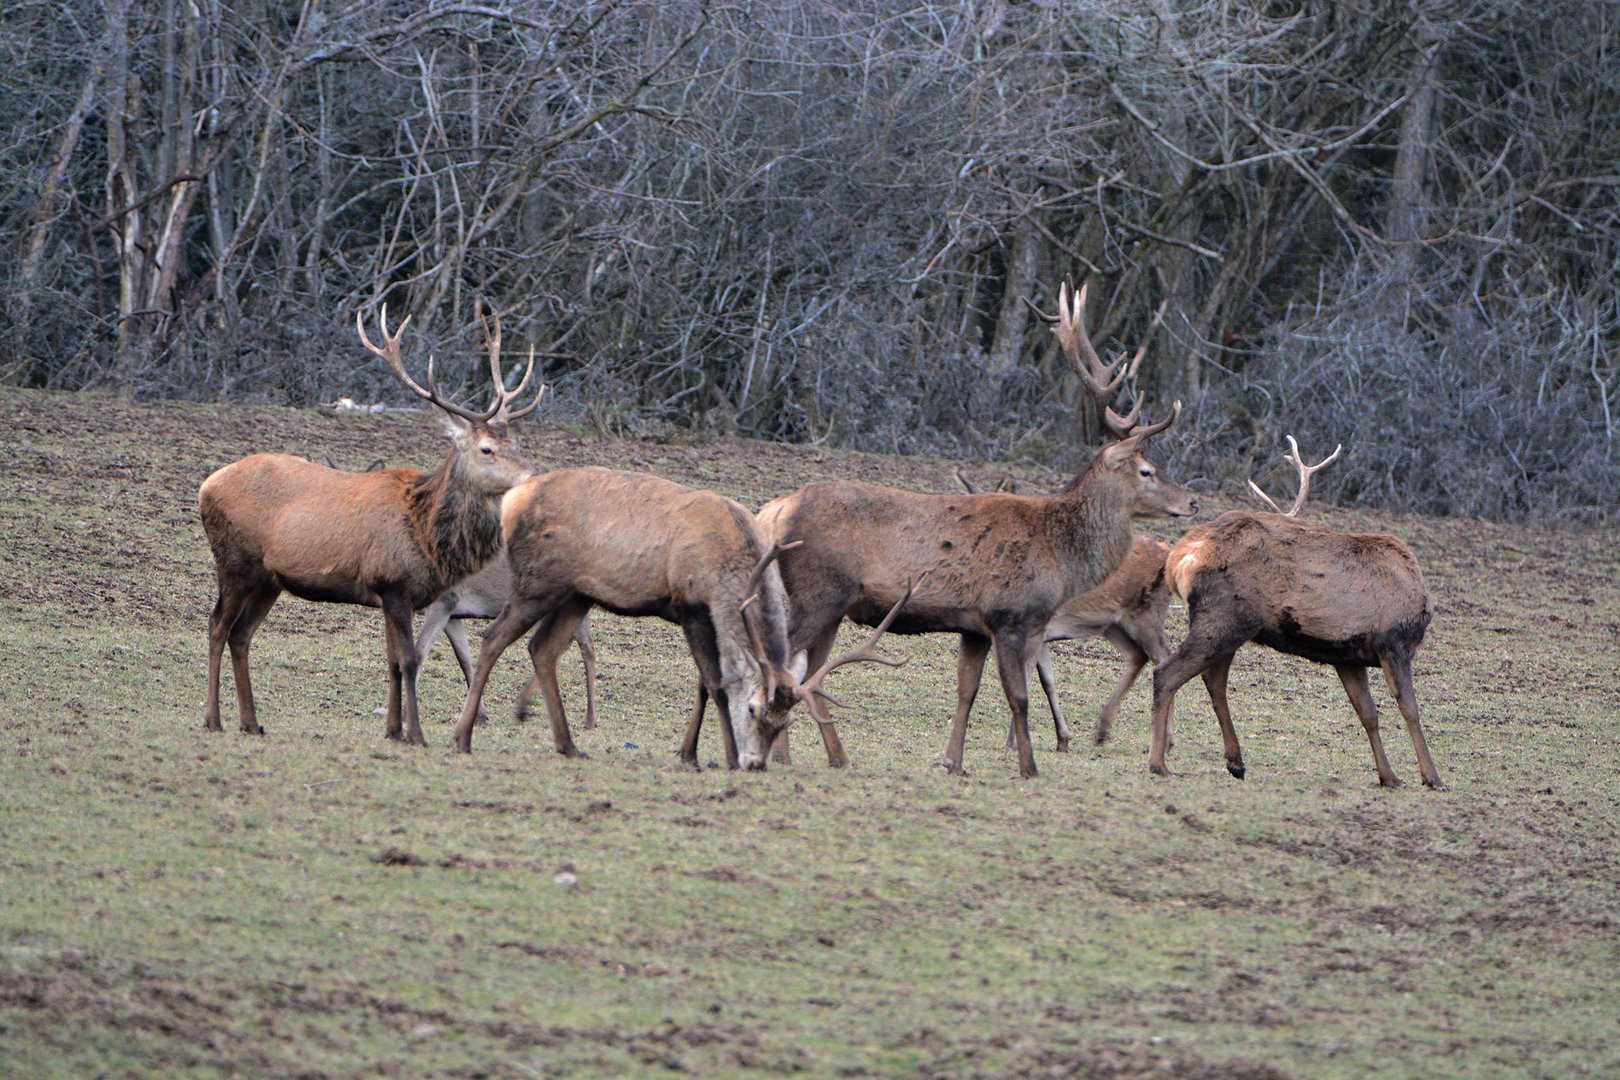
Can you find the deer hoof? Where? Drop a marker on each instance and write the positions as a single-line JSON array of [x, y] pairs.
[[1236, 769], [1158, 769], [1063, 746], [1434, 783]]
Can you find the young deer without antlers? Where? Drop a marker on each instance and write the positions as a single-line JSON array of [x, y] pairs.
[[999, 566], [393, 539], [638, 544], [482, 596], [1353, 600]]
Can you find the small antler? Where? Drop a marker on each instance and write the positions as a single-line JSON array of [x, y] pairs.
[[811, 690], [1305, 474], [1099, 379]]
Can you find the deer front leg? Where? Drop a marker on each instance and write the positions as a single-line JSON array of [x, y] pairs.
[[970, 656], [587, 653], [1135, 660], [402, 669], [1011, 664], [512, 623], [1060, 725], [694, 725], [1167, 679], [456, 631]]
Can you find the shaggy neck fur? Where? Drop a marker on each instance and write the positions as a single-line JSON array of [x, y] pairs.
[[457, 528]]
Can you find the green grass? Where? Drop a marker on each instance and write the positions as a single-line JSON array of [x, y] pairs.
[[321, 902]]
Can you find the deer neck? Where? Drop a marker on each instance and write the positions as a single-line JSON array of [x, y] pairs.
[[1090, 526], [457, 526]]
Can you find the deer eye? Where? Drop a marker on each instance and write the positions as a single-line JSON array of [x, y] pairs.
[[487, 450], [1147, 470]]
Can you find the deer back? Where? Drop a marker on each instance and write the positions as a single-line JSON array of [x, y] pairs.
[[1302, 579]]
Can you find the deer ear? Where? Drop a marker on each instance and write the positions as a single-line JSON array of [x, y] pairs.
[[1120, 454], [453, 426]]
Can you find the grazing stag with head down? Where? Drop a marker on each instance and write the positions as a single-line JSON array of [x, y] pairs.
[[999, 566], [394, 539], [1353, 600], [638, 544]]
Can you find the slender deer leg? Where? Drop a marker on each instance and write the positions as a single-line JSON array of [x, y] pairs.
[[1043, 671], [1354, 678], [551, 639], [700, 640], [402, 669], [456, 631], [512, 623], [587, 653], [1215, 676], [1011, 664], [816, 656], [1135, 661], [1169, 677], [227, 609], [694, 725], [970, 656], [247, 622], [1398, 674]]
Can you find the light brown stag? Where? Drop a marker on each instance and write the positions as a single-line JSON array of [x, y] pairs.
[[637, 545], [394, 539], [999, 566], [1128, 609], [482, 596], [1352, 600]]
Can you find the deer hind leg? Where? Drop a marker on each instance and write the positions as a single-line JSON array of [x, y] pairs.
[[1398, 674], [1135, 661], [1354, 678], [512, 623], [1012, 658], [1215, 676], [1169, 677], [969, 671], [237, 621]]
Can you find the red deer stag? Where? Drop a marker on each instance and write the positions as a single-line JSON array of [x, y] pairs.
[[482, 596], [393, 539], [999, 566], [638, 544], [1128, 609], [1353, 600]]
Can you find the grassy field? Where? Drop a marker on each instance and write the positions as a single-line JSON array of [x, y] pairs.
[[321, 902]]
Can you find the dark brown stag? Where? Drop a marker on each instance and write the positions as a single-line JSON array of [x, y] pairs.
[[999, 566], [638, 544], [394, 539], [1352, 600]]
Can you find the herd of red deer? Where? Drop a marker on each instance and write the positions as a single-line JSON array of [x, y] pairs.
[[760, 597]]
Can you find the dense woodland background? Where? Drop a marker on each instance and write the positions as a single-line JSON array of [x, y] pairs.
[[1388, 224]]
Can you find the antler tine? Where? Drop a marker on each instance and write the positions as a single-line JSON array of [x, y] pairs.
[[1306, 471], [1145, 431], [390, 354], [508, 396], [1121, 425], [1100, 379], [812, 691]]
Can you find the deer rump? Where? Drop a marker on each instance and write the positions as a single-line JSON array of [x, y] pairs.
[[1302, 589]]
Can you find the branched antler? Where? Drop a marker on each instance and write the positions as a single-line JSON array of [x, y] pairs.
[[1100, 379], [1305, 474], [499, 410], [813, 693]]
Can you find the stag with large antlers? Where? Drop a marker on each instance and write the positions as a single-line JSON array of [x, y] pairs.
[[1128, 610], [1352, 600], [999, 566], [638, 544], [394, 539]]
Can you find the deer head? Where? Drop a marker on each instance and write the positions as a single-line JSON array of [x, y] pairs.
[[485, 452]]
